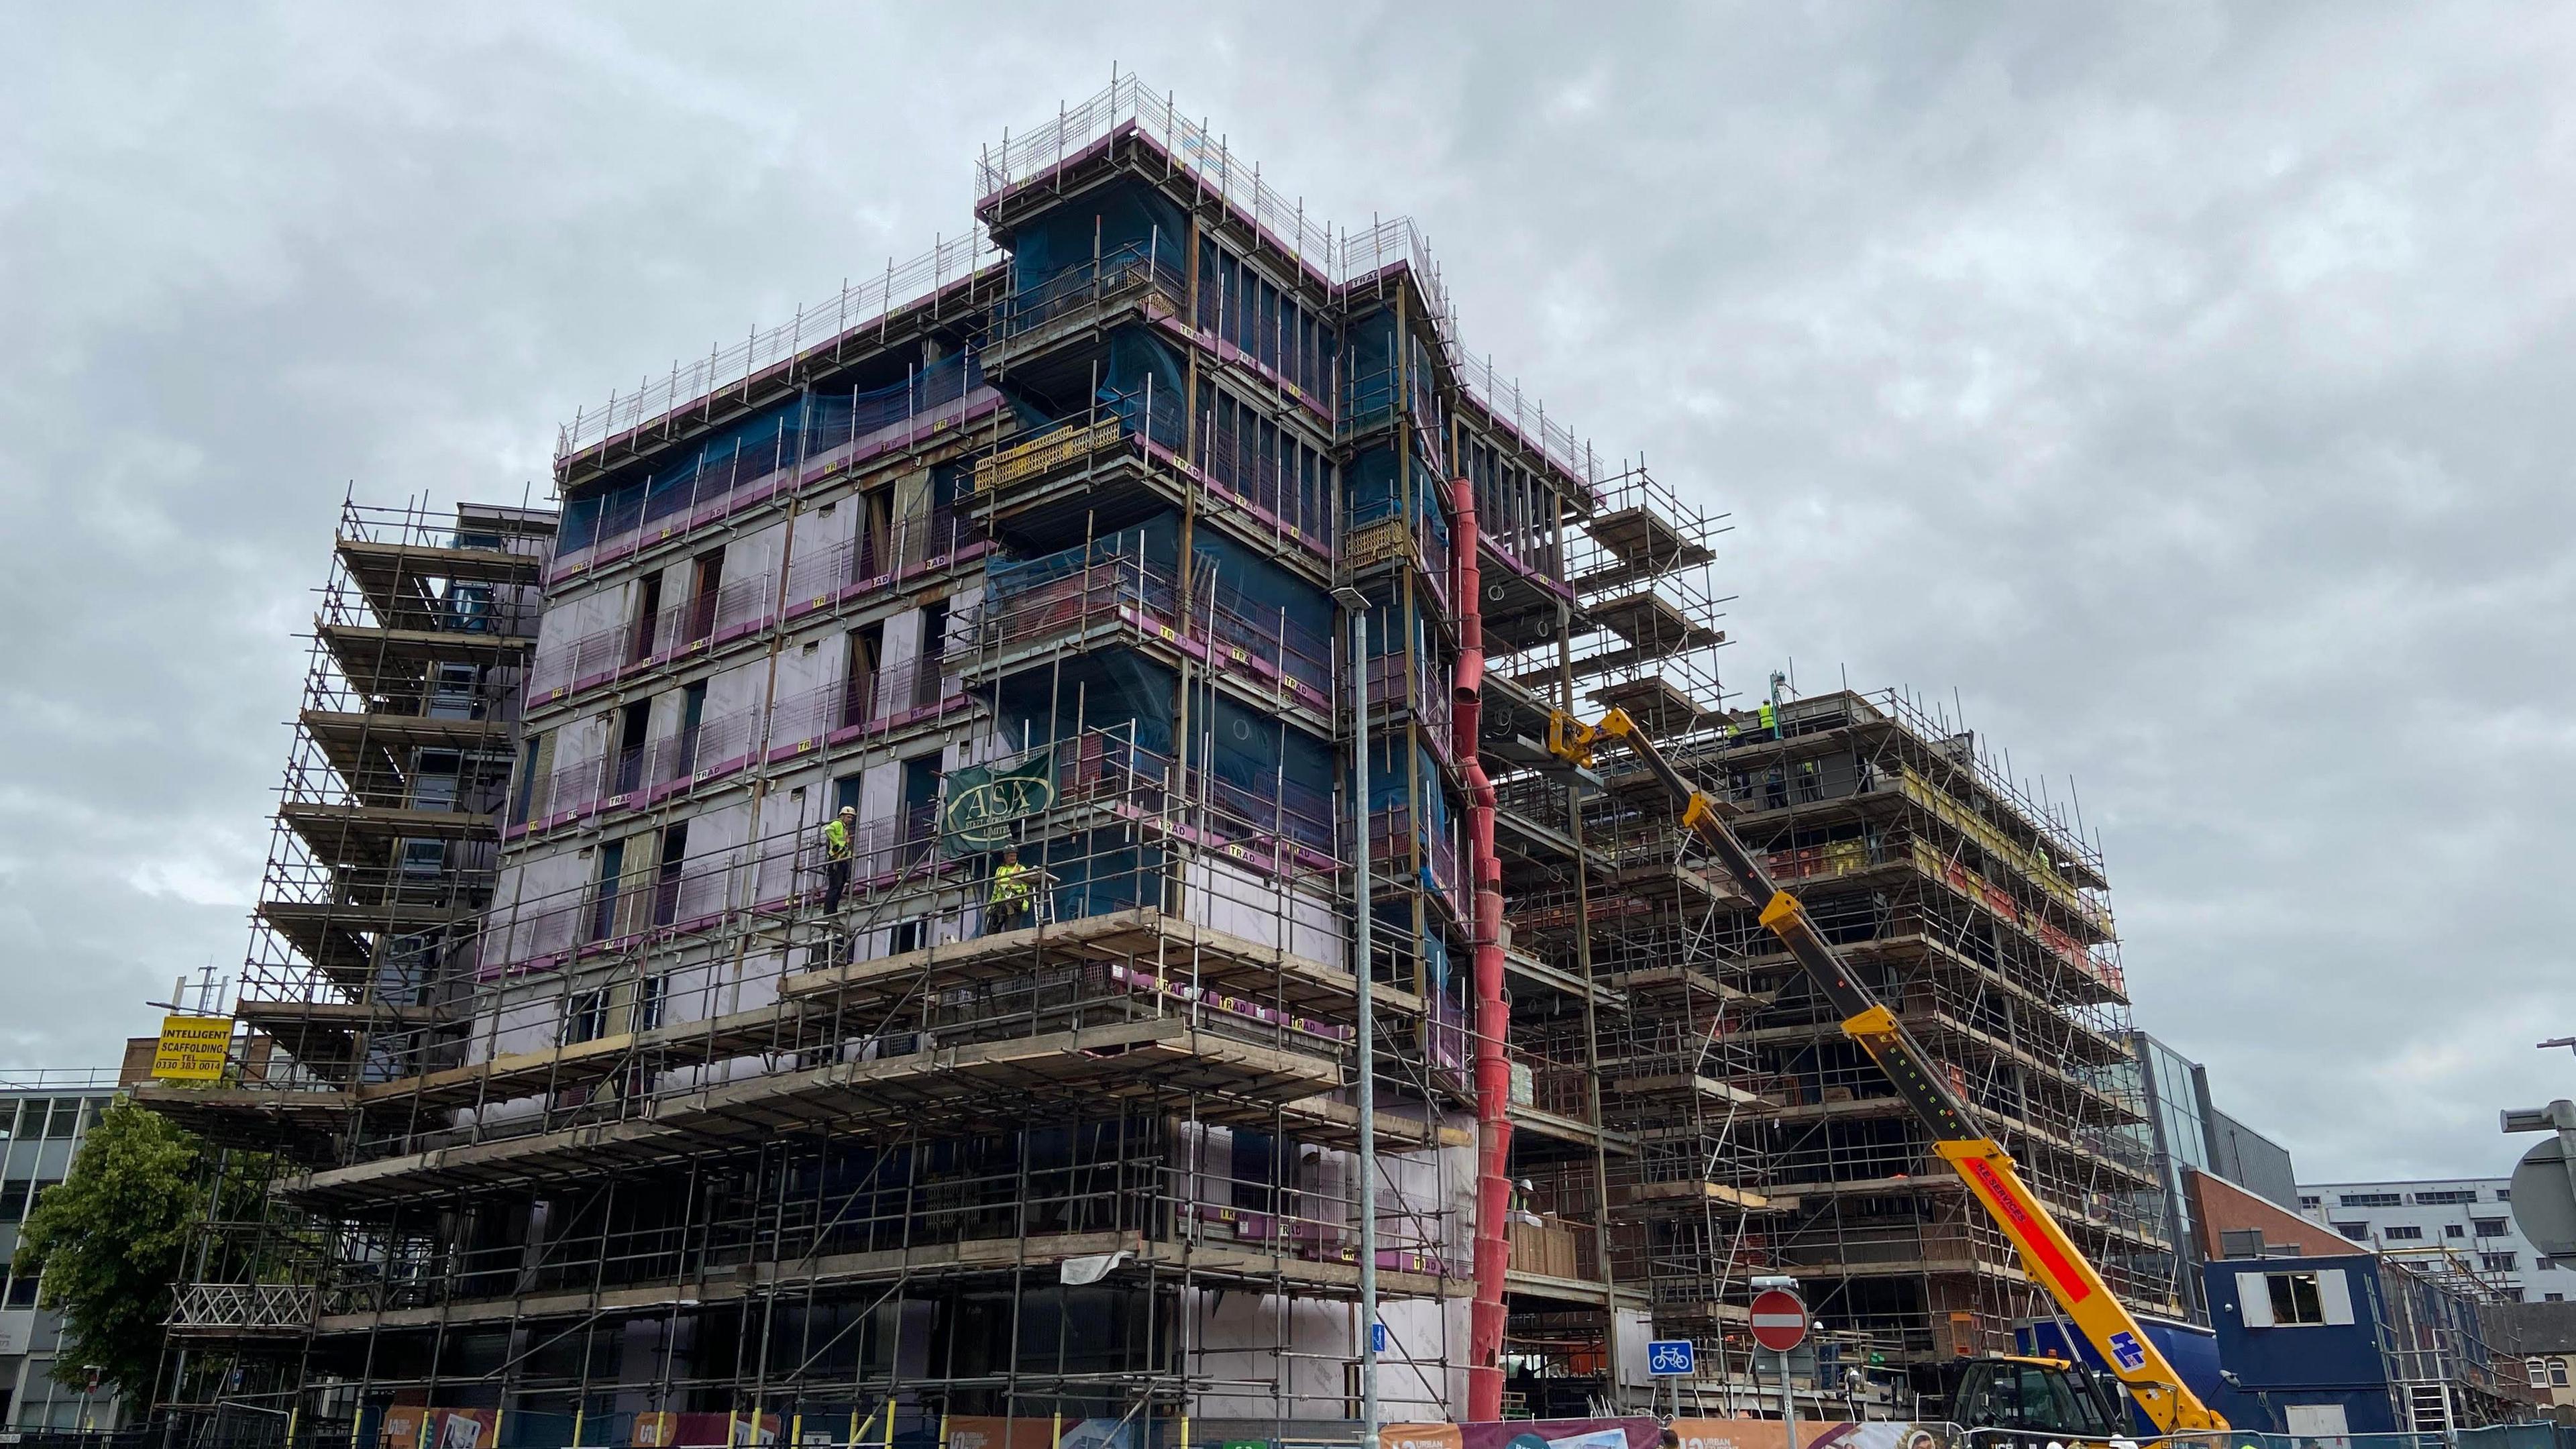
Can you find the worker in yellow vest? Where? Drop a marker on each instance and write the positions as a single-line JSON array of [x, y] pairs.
[[836, 857], [1014, 884]]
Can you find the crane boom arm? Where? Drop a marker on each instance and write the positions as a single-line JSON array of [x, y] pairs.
[[2046, 1252]]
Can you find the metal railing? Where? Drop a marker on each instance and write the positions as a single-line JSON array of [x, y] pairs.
[[1273, 473], [469, 610], [1557, 1087], [812, 330], [1126, 828], [878, 554], [1067, 594], [1335, 257], [903, 692], [1127, 102], [741, 606], [1101, 771], [1130, 271], [1393, 837], [245, 1307], [39, 1079]]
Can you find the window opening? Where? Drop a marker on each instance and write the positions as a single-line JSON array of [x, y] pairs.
[[2294, 1298], [647, 608]]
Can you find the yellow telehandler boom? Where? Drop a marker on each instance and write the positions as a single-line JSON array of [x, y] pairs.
[[2046, 1252]]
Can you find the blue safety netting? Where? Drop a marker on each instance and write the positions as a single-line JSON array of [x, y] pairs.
[[1096, 872], [1271, 602], [1274, 327], [1265, 771], [1125, 218], [1434, 946], [1032, 417], [1396, 626], [1426, 398], [1152, 543], [1112, 690], [1262, 770], [757, 447], [1268, 595], [1261, 773], [1371, 377], [1371, 489], [1143, 382], [1388, 758]]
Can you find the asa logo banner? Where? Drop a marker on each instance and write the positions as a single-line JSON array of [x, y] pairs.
[[983, 801]]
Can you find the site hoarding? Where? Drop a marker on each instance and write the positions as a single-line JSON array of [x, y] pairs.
[[1645, 1433]]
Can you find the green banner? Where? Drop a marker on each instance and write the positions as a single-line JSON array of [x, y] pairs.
[[979, 804]]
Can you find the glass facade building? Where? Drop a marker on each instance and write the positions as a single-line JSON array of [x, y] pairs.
[[2190, 1135], [43, 1116]]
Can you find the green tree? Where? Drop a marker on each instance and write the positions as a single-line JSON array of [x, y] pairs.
[[110, 1240]]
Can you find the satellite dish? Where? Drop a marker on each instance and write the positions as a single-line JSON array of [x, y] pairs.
[[2544, 1198]]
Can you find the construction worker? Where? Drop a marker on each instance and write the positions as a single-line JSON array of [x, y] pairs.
[[836, 858], [1770, 717], [1007, 908]]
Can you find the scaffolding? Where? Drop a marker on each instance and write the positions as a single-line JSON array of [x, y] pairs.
[[2436, 1311], [668, 1112], [723, 1128], [875, 1097], [383, 847], [1980, 917], [764, 1125], [1622, 1005]]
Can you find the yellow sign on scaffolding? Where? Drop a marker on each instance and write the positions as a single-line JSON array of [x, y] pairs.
[[192, 1048]]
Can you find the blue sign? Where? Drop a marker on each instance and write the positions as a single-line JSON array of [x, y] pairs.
[[1377, 1338], [1670, 1357], [2126, 1352]]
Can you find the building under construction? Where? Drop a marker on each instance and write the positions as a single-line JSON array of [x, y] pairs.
[[600, 1089]]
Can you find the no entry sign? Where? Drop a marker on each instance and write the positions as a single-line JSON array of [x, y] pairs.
[[1779, 1320]]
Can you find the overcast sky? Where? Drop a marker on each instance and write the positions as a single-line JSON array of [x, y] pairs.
[[2172, 382]]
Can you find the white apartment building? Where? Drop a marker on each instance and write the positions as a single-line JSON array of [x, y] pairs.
[[2466, 1221]]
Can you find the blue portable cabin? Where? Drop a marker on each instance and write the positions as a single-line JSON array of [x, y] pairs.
[[2354, 1344], [2306, 1333]]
